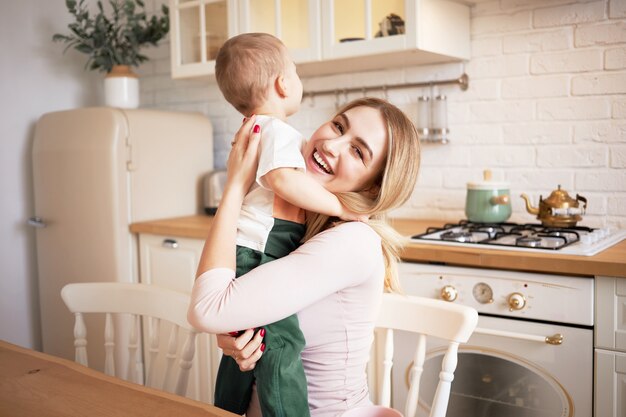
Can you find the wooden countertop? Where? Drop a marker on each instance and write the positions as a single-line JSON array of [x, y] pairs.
[[34, 384], [610, 262]]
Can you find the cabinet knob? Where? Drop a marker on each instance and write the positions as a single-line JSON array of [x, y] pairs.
[[36, 222], [170, 243], [449, 293], [516, 301]]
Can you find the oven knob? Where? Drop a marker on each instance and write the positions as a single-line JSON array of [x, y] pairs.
[[448, 293], [516, 301]]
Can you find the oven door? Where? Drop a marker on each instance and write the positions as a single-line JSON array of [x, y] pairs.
[[506, 369]]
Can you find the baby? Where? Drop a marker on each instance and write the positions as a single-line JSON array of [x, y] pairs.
[[257, 76]]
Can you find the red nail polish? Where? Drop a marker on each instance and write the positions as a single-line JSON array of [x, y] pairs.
[[262, 347], [256, 129], [233, 333], [244, 119], [262, 332]]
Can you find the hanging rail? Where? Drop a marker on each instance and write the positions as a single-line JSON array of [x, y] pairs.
[[462, 81]]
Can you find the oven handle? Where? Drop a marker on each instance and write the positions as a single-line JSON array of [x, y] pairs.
[[555, 339]]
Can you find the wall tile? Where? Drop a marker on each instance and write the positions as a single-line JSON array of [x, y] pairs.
[[502, 156], [508, 111], [566, 62], [598, 180], [615, 58], [581, 156], [616, 206], [619, 108], [602, 132], [569, 14], [535, 87], [502, 23], [618, 156], [498, 67], [617, 9], [553, 40], [573, 109], [487, 47], [600, 34], [537, 133], [603, 83]]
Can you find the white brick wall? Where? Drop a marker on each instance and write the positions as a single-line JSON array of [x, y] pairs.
[[546, 106]]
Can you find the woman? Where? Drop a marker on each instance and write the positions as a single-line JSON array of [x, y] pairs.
[[368, 154]]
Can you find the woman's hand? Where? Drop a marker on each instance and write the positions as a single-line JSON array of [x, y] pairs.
[[219, 248], [243, 159], [246, 349]]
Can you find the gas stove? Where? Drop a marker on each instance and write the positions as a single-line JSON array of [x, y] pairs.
[[579, 240]]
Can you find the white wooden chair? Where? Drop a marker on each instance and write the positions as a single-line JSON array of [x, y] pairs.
[[139, 300], [428, 318]]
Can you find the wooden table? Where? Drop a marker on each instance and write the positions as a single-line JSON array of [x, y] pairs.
[[34, 384]]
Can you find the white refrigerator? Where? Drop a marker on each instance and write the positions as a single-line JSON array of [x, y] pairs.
[[96, 171]]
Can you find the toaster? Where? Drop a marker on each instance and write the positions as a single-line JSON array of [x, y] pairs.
[[213, 186]]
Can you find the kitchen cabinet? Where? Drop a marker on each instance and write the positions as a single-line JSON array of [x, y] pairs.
[[324, 36], [610, 347], [171, 262]]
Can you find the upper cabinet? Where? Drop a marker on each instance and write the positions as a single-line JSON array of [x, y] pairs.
[[324, 36]]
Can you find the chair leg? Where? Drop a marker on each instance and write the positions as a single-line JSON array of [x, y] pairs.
[[442, 394]]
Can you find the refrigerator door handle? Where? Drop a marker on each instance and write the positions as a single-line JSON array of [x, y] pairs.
[[36, 222], [170, 243]]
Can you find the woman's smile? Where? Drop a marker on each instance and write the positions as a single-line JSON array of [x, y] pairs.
[[321, 163]]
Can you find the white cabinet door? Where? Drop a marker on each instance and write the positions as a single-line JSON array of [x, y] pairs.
[[171, 262], [610, 387], [198, 30], [295, 22]]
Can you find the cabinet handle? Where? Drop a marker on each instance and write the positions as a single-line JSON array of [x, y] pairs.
[[556, 339], [37, 222], [170, 243]]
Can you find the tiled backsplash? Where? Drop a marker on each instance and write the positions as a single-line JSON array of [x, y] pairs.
[[546, 105]]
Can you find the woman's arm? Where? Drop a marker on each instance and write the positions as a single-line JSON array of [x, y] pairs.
[[343, 256], [220, 246]]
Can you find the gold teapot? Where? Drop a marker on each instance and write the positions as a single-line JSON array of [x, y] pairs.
[[558, 210]]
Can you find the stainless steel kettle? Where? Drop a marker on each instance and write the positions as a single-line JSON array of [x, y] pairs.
[[213, 187]]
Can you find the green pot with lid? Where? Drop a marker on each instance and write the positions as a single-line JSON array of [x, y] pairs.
[[488, 201]]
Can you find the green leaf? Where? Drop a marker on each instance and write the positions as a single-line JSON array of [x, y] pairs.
[[115, 37]]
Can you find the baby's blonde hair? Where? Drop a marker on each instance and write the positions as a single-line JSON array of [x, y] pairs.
[[245, 68], [395, 185]]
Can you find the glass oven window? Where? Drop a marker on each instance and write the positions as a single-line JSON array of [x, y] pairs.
[[487, 385]]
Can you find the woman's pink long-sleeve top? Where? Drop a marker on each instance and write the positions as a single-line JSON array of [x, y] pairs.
[[334, 282]]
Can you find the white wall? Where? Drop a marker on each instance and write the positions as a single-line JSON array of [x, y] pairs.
[[546, 106], [35, 78]]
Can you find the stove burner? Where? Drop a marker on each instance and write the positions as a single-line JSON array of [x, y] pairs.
[[528, 241], [490, 230], [457, 236]]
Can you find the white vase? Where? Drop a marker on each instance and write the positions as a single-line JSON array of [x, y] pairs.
[[121, 88]]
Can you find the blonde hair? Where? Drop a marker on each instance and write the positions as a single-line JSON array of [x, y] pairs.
[[245, 68], [395, 185]]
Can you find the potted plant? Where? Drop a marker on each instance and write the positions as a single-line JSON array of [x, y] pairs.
[[113, 42]]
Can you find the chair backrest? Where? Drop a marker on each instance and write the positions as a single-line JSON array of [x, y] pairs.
[[149, 302], [449, 322]]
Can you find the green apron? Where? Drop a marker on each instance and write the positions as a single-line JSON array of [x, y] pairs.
[[279, 374]]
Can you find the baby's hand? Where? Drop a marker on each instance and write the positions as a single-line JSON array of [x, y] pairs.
[[352, 216]]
